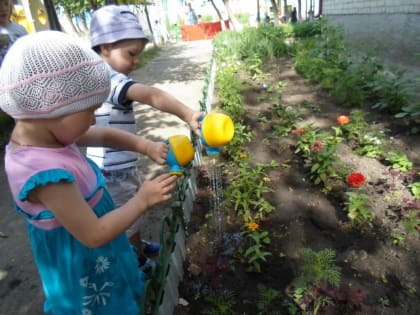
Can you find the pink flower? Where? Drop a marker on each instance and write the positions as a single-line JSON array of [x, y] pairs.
[[356, 180], [318, 146]]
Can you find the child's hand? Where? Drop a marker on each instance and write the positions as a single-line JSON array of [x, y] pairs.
[[195, 122], [158, 190], [157, 151]]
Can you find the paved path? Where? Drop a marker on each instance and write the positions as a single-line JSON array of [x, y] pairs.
[[179, 69]]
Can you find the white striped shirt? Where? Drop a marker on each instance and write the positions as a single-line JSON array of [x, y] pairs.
[[116, 112]]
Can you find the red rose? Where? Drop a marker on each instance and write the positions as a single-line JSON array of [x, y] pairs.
[[343, 120], [356, 180]]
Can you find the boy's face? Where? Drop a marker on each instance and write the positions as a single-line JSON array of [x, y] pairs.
[[123, 56]]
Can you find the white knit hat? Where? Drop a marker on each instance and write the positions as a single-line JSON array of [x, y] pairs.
[[113, 23], [50, 74]]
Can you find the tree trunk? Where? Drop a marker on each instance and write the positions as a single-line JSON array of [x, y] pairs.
[[70, 21], [258, 12], [299, 8], [275, 12], [146, 11], [320, 4], [52, 15], [217, 10], [233, 21], [222, 23], [285, 13], [83, 20]]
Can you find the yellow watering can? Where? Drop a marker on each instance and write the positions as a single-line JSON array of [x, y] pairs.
[[181, 152], [217, 130]]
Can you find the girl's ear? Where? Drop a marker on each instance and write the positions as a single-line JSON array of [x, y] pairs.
[[104, 49]]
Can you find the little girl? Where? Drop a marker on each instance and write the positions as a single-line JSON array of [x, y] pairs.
[[51, 85]]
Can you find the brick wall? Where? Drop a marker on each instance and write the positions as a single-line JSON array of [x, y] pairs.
[[392, 27], [334, 7]]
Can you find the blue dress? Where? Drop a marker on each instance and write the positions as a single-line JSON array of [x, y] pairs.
[[76, 279]]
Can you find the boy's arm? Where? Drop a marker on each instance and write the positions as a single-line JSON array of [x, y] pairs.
[[165, 102], [120, 139]]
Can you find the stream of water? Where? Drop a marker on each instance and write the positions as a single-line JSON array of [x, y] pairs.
[[216, 199]]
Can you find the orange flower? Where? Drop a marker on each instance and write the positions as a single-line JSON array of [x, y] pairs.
[[253, 226], [356, 180], [243, 155], [300, 131], [343, 120]]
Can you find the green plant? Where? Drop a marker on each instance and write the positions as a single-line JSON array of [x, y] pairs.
[[318, 267], [236, 146], [262, 119], [288, 116], [253, 65], [267, 296], [246, 190], [398, 238], [279, 87], [321, 301], [356, 127], [306, 140], [309, 28], [372, 145], [399, 160], [246, 194], [411, 288], [415, 189], [264, 42], [318, 148], [220, 303], [322, 169], [229, 92], [255, 253], [384, 301], [358, 208], [394, 90], [411, 221]]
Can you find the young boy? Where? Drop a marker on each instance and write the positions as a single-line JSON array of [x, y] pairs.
[[117, 36], [9, 31]]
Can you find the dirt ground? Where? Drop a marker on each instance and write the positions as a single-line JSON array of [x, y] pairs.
[[377, 276], [180, 69]]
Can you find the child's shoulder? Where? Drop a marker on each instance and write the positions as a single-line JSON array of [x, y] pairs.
[[17, 29]]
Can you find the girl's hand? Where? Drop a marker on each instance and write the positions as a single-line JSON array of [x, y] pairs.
[[195, 123], [157, 151], [158, 190]]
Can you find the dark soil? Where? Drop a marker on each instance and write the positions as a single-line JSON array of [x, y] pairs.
[[377, 275]]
